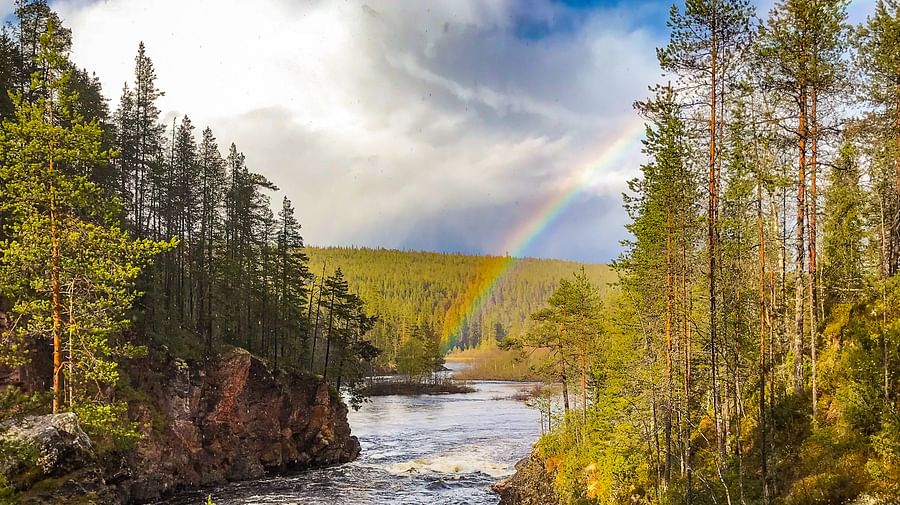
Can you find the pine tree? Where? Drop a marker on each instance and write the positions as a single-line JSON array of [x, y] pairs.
[[844, 233], [293, 275], [212, 197], [706, 44], [662, 206], [146, 136], [801, 47], [878, 53], [67, 265]]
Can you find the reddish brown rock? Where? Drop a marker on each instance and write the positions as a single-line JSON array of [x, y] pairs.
[[229, 419], [206, 422]]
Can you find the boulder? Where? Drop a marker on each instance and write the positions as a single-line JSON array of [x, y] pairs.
[[49, 459], [52, 445], [531, 484]]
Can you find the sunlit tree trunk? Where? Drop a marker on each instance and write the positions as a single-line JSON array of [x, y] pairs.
[[711, 237], [798, 237], [762, 335], [813, 294], [669, 388], [54, 272]]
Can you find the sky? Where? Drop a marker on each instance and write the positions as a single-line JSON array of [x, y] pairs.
[[455, 125]]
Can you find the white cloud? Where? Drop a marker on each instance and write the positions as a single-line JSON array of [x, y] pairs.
[[387, 118]]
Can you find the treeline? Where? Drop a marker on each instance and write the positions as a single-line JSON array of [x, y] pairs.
[[750, 352], [119, 234], [416, 294]]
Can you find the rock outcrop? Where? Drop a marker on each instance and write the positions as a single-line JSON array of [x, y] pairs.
[[56, 442], [51, 448], [232, 419], [204, 423], [531, 484]]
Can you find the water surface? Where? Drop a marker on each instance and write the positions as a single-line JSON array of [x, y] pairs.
[[445, 449]]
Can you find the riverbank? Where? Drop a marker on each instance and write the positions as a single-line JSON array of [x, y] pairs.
[[411, 388], [494, 364], [531, 484], [435, 449], [202, 423]]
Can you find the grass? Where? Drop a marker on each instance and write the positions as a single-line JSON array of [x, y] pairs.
[[414, 387], [495, 364]]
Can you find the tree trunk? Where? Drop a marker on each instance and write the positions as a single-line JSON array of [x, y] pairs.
[[711, 240], [328, 338], [70, 380], [667, 469], [813, 294], [799, 232], [689, 446], [54, 278], [208, 294], [762, 336], [655, 437], [893, 250], [884, 312], [687, 308], [315, 331], [583, 383]]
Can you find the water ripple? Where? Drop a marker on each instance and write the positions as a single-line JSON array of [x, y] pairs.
[[444, 450]]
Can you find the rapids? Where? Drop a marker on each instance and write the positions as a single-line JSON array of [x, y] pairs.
[[445, 449]]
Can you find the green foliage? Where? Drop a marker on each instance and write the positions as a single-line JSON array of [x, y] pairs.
[[53, 210], [420, 355], [14, 402], [843, 269], [7, 491], [408, 288], [885, 467], [107, 424], [497, 364], [569, 328]]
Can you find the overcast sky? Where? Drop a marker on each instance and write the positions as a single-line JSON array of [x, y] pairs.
[[432, 125]]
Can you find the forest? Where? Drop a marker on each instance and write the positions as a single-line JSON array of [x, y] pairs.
[[742, 349], [749, 352], [122, 236], [411, 290]]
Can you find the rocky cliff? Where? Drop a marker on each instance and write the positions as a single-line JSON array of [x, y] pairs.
[[229, 418]]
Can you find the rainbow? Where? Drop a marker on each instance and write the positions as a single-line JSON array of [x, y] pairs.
[[494, 268]]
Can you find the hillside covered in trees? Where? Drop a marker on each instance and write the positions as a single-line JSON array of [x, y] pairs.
[[750, 353], [409, 290]]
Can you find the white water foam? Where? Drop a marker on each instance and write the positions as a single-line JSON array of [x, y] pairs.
[[452, 464]]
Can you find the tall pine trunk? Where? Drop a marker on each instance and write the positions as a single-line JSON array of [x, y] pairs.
[[763, 319], [811, 242], [54, 284], [667, 469], [798, 236], [711, 240]]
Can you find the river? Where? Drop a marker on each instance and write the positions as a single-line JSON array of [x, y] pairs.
[[444, 449]]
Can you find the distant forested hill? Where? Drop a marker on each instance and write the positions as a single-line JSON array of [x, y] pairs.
[[408, 289]]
